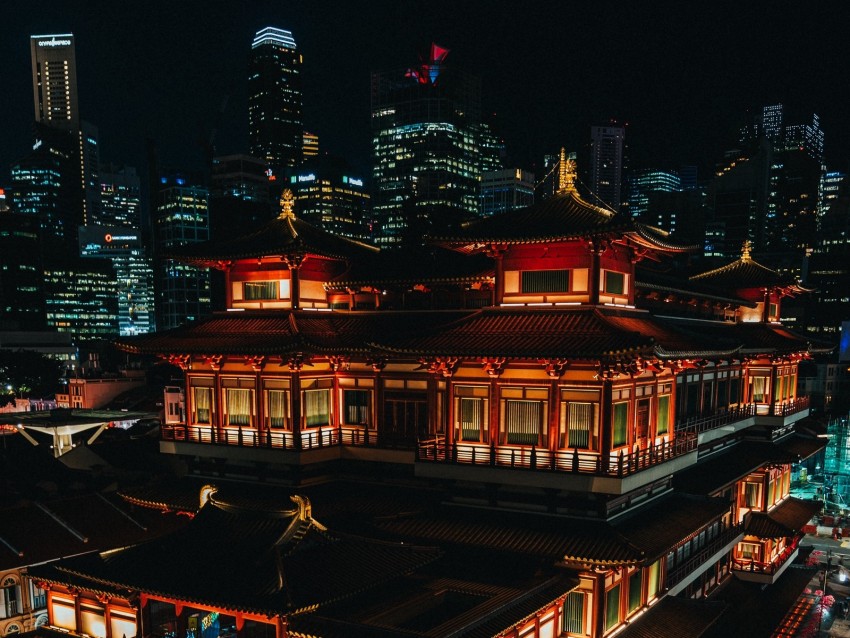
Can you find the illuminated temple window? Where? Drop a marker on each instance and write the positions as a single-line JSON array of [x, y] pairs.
[[316, 408], [523, 416], [471, 410], [357, 407]]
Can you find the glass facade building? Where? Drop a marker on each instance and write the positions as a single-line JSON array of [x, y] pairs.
[[181, 217], [329, 195], [505, 190]]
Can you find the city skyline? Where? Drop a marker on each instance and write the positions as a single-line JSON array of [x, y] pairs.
[[683, 81]]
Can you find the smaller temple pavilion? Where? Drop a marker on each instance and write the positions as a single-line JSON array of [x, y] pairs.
[[245, 567]]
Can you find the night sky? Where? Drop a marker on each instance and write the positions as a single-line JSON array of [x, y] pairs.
[[683, 78]]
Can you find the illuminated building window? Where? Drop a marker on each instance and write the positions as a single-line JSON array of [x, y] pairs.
[[471, 413], [202, 405], [621, 422], [663, 416], [654, 584], [612, 607], [635, 586], [579, 425], [523, 416], [574, 613], [239, 406], [317, 408], [277, 409], [253, 290], [357, 407]]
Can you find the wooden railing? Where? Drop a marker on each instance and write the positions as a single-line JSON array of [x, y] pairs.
[[719, 418], [310, 439], [617, 464]]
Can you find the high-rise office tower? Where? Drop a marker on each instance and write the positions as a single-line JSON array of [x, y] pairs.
[[61, 132], [643, 184], [275, 121], [830, 184], [81, 298], [181, 216], [119, 197], [54, 80], [506, 190], [310, 146], [606, 164], [239, 194], [21, 274], [427, 148], [134, 279]]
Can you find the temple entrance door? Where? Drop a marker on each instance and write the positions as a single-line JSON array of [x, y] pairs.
[[405, 418], [642, 423]]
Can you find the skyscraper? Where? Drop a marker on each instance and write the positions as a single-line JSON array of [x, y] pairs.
[[428, 148], [275, 120], [643, 183], [606, 164], [54, 80], [181, 217]]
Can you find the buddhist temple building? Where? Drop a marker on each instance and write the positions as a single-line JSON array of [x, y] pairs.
[[534, 389]]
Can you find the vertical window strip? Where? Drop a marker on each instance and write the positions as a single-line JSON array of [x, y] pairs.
[[316, 408], [621, 419], [545, 281], [574, 613], [472, 419], [258, 290], [580, 424], [238, 406], [203, 401], [612, 607], [278, 409], [523, 421], [663, 422]]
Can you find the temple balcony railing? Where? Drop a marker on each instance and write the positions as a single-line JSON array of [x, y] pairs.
[[616, 464], [307, 439], [766, 572], [725, 421]]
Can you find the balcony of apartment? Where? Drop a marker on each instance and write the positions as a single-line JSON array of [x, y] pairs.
[[725, 421], [680, 576], [617, 472]]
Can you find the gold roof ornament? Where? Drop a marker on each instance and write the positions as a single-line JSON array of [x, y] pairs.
[[566, 173], [287, 200], [745, 250]]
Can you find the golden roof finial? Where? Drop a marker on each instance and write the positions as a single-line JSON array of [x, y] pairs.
[[286, 201], [745, 250], [566, 173]]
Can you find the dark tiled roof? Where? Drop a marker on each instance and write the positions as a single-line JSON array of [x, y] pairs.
[[524, 333], [676, 617], [659, 527], [528, 535], [750, 337], [783, 521], [755, 611], [674, 282], [434, 266], [276, 560], [563, 216], [744, 272], [40, 531], [715, 473], [285, 332], [281, 236]]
